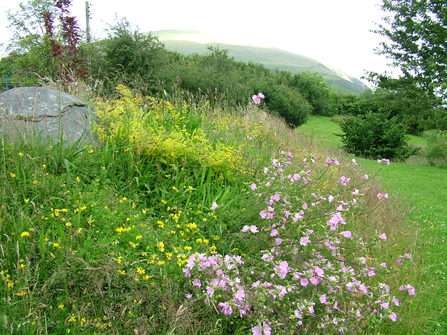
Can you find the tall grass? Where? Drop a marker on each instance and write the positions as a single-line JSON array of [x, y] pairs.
[[97, 242]]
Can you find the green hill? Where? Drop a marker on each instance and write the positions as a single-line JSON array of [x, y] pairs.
[[190, 42]]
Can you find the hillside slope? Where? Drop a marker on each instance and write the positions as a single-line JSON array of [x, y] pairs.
[[190, 42]]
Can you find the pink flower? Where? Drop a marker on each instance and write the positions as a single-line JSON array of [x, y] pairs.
[[283, 269], [383, 236], [257, 98], [197, 282], [323, 299], [252, 228], [274, 232], [240, 295], [304, 282], [186, 272], [347, 234], [384, 160], [253, 186], [214, 206], [265, 330], [393, 317], [226, 308], [256, 330], [209, 291], [382, 196], [410, 289], [275, 197], [332, 162], [304, 240], [356, 192]]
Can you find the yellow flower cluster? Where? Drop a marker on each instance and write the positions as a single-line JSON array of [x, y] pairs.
[[158, 129]]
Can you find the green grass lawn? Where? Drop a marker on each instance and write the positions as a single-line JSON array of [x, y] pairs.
[[422, 190]]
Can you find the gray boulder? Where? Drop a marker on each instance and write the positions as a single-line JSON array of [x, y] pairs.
[[37, 112]]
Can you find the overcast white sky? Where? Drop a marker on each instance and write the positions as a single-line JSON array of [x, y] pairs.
[[335, 32]]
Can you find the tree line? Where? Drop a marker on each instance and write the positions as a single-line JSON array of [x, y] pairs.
[[48, 43]]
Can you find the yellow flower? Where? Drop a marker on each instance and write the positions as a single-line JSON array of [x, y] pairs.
[[139, 237], [12, 175], [61, 306], [21, 293], [91, 151], [56, 245], [141, 271], [72, 319], [25, 233], [21, 154], [122, 272], [26, 201]]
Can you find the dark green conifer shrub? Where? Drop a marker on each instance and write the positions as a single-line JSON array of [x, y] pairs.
[[375, 136]]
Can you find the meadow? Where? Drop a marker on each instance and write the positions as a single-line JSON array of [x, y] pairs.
[[188, 219]]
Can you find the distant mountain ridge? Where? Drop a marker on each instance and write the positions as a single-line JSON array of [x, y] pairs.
[[190, 41]]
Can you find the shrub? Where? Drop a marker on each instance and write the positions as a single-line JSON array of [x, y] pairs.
[[308, 270], [158, 129], [436, 146], [288, 103], [375, 136]]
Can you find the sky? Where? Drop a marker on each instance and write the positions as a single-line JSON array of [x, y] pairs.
[[334, 32]]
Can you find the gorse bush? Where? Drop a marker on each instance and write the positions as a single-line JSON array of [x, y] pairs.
[[375, 136]]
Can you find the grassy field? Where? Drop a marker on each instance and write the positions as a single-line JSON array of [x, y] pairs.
[[422, 190], [193, 220]]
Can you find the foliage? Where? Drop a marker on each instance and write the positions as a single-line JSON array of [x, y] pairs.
[[158, 129], [375, 136], [316, 91], [100, 236], [300, 267], [436, 150], [416, 33], [42, 48], [138, 55], [70, 65]]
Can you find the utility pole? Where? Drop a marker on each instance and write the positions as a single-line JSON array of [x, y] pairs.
[[87, 18]]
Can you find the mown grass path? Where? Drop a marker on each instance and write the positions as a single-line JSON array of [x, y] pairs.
[[422, 191]]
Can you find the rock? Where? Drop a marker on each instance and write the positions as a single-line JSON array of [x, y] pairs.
[[32, 111]]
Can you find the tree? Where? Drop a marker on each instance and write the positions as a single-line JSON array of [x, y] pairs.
[[316, 91], [46, 40], [134, 52], [375, 136], [417, 44]]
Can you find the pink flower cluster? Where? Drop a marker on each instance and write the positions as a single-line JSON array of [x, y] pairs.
[[305, 270]]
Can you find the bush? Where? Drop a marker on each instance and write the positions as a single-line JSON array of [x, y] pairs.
[[375, 136], [288, 103], [436, 146]]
